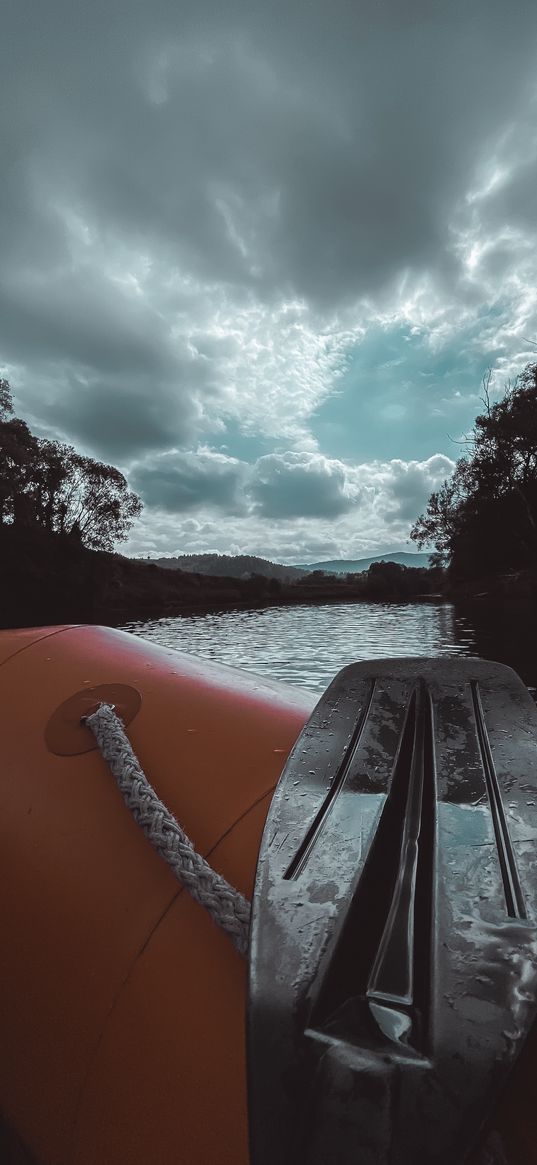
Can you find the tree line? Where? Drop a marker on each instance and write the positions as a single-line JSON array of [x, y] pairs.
[[483, 520], [49, 485]]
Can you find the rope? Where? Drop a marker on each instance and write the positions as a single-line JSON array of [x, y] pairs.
[[226, 906]]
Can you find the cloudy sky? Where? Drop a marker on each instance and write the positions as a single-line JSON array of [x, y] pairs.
[[259, 253]]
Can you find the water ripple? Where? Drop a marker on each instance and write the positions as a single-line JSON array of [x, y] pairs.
[[307, 645]]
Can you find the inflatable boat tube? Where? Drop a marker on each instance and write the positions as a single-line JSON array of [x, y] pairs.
[[122, 1005]]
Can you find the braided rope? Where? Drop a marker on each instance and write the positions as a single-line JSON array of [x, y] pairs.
[[227, 907]]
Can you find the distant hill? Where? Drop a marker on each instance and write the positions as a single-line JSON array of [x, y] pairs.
[[230, 566], [244, 565], [356, 565]]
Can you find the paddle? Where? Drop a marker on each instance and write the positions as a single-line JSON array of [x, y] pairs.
[[393, 951]]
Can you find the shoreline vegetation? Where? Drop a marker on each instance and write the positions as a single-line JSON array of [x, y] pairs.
[[48, 579], [62, 514]]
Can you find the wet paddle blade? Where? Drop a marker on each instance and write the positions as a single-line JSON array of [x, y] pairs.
[[393, 961]]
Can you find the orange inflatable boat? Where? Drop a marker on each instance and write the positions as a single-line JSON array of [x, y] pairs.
[[122, 1005]]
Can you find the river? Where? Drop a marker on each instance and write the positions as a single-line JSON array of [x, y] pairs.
[[307, 645]]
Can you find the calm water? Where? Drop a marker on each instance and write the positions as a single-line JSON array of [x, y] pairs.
[[308, 645]]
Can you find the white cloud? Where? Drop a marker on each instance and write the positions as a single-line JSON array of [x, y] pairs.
[[336, 510], [301, 485]]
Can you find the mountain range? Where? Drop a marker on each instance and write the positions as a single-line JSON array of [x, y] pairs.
[[244, 565], [356, 565], [230, 566]]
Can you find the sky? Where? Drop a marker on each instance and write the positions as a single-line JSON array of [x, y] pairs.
[[259, 255]]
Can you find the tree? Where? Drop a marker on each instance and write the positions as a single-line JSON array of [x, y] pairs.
[[505, 450], [18, 456], [6, 400], [48, 484], [484, 518], [92, 502], [443, 520]]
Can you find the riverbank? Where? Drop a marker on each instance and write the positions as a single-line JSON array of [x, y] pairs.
[[515, 586], [48, 579]]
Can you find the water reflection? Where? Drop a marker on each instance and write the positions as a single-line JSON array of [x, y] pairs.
[[507, 633], [307, 645]]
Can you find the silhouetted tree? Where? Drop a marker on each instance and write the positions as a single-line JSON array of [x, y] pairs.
[[6, 400], [93, 502], [18, 460], [48, 484], [484, 518]]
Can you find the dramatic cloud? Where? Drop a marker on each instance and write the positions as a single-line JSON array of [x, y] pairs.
[[294, 485], [410, 484], [290, 507], [279, 485], [180, 481], [290, 236]]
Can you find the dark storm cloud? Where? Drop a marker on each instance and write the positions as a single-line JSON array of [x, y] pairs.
[[81, 316], [122, 421], [177, 482], [513, 203], [305, 145], [152, 152]]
